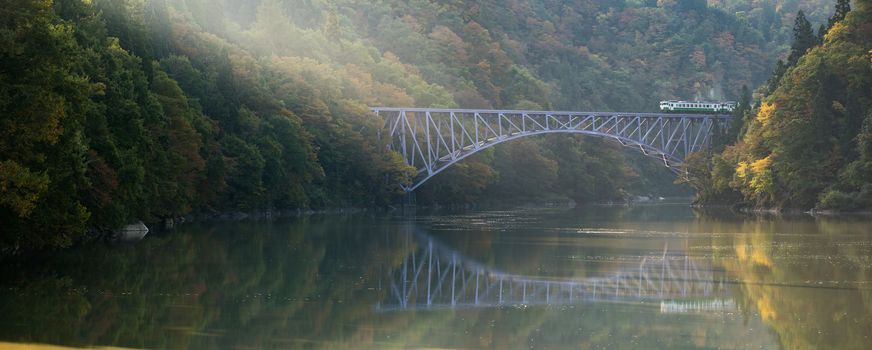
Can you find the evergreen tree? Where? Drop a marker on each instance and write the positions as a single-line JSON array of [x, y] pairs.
[[842, 9], [157, 19], [777, 73], [331, 25], [803, 38], [822, 31], [737, 124]]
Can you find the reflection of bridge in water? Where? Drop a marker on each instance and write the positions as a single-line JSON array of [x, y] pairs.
[[435, 276]]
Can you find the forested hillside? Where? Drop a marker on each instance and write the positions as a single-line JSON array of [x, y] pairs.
[[774, 18], [584, 56], [808, 143], [115, 111]]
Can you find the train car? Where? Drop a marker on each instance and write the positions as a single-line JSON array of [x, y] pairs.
[[698, 106]]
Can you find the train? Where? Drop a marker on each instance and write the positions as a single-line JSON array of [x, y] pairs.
[[697, 106]]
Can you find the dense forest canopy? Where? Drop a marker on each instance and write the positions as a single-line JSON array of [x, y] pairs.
[[115, 111], [807, 145]]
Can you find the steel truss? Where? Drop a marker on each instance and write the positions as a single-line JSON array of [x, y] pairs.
[[434, 276], [431, 140]]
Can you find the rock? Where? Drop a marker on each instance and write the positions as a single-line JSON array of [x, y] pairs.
[[133, 232], [172, 223]]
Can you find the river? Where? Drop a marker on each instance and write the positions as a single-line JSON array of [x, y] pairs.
[[659, 276]]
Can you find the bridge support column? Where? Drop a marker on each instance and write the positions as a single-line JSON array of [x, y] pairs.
[[409, 203]]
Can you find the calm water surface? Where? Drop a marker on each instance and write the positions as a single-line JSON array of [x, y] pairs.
[[610, 278]]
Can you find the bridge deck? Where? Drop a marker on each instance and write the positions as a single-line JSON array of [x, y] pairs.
[[519, 111]]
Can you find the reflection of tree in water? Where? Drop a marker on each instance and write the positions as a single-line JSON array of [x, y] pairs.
[[304, 284], [808, 280], [314, 283], [213, 287]]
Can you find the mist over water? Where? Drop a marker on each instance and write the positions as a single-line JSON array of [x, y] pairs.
[[660, 276]]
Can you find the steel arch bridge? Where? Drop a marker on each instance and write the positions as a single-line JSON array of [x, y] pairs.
[[432, 139], [434, 276]]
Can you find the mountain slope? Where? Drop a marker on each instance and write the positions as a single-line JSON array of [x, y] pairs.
[[807, 144], [118, 111]]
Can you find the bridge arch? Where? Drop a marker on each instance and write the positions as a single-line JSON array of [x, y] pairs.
[[432, 139], [434, 276]]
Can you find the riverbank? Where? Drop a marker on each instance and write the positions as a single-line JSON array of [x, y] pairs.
[[781, 211], [169, 224]]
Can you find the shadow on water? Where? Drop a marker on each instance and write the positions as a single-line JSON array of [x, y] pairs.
[[646, 276]]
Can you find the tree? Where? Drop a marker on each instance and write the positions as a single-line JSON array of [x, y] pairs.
[[777, 73], [842, 9], [821, 33], [42, 146], [803, 38], [737, 123], [332, 29]]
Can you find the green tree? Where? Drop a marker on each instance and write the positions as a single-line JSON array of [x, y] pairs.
[[805, 145], [777, 73], [803, 38], [740, 116], [842, 9], [821, 33], [42, 146]]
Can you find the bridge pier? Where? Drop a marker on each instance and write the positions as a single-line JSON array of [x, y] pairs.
[[409, 203]]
